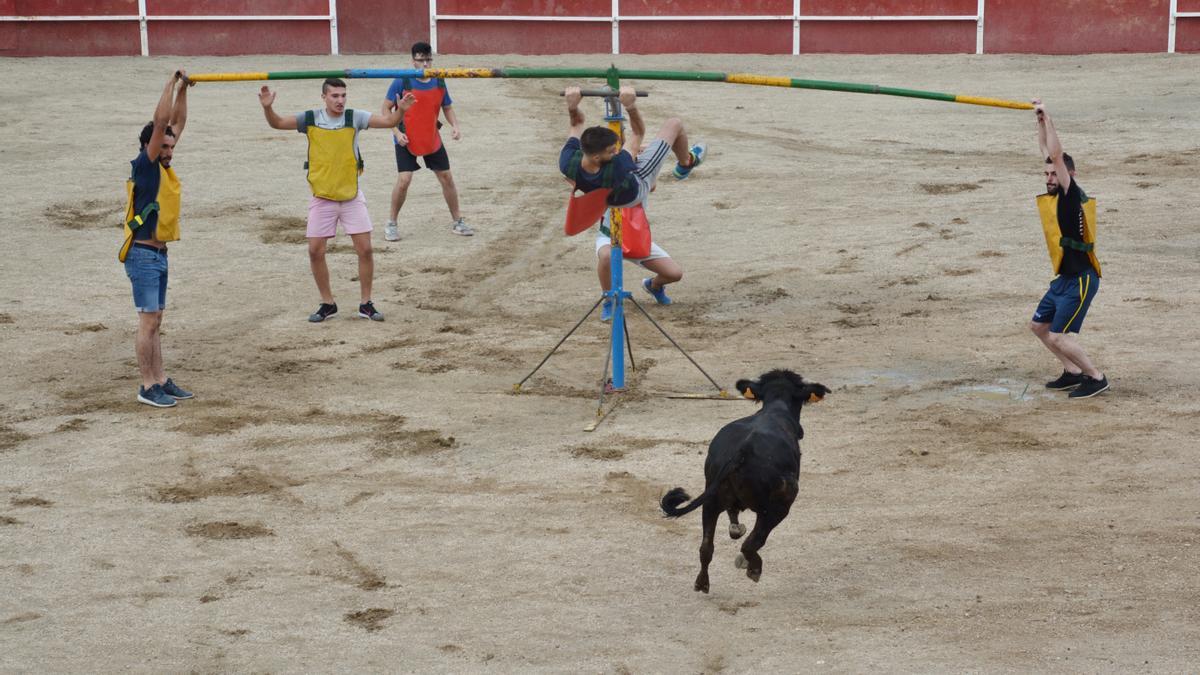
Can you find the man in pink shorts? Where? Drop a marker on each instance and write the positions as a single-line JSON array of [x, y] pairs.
[[334, 164]]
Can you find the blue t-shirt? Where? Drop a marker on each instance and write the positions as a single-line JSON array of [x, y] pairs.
[[396, 90], [146, 179], [624, 187]]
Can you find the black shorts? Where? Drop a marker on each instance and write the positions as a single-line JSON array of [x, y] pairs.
[[437, 161]]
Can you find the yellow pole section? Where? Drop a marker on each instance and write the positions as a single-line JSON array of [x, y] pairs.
[[228, 77], [993, 102]]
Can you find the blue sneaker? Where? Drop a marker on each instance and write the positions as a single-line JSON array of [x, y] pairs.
[[698, 151], [606, 310], [155, 396], [660, 296], [175, 391]]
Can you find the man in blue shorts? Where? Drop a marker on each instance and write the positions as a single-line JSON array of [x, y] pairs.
[[153, 220], [1068, 220], [417, 136], [586, 156]]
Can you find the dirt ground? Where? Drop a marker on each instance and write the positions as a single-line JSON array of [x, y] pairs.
[[373, 497]]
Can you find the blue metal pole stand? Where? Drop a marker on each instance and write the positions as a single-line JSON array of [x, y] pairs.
[[615, 117]]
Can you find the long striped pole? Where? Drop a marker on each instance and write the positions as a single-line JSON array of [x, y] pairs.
[[605, 73]]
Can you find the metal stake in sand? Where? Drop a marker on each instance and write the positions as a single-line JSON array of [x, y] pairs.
[[614, 74]]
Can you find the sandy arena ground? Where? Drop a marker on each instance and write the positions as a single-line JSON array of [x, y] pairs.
[[372, 497]]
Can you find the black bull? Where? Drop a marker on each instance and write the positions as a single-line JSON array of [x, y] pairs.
[[753, 463]]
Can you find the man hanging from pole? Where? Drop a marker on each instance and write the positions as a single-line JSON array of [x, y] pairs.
[[590, 159], [665, 269]]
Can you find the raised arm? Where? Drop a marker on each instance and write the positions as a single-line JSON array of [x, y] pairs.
[[179, 110], [1053, 147], [1041, 128], [390, 118], [162, 117], [267, 98], [573, 96], [637, 128]]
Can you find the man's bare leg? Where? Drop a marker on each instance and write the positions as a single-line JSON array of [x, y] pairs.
[[366, 264], [449, 192], [672, 132], [1069, 347], [666, 271], [148, 348], [400, 192], [320, 270]]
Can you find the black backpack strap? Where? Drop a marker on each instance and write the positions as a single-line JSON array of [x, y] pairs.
[[348, 120], [310, 119]]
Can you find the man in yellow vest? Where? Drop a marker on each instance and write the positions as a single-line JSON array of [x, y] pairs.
[[152, 219], [334, 164], [1069, 223]]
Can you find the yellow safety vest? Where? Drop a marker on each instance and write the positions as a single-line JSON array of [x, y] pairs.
[[1048, 210], [333, 165], [166, 204]]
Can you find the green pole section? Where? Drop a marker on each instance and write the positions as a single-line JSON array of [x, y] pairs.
[[826, 85]]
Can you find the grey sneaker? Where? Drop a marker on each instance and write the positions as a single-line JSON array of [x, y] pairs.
[[155, 396], [367, 311], [323, 312], [461, 227], [175, 391], [391, 231]]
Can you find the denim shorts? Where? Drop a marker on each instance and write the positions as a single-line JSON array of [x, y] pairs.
[[147, 271]]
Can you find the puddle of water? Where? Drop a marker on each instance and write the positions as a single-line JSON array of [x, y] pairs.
[[1007, 391]]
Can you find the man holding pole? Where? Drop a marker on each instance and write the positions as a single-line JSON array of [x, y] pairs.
[[152, 220], [334, 165], [1069, 222]]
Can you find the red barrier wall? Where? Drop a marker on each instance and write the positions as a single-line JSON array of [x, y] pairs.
[[391, 26], [1076, 26], [382, 26], [69, 38], [1187, 31]]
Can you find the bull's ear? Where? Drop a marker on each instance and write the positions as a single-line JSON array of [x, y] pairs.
[[816, 392], [748, 389]]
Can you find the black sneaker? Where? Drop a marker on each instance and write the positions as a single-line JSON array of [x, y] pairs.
[[1066, 381], [367, 311], [323, 312], [1090, 387]]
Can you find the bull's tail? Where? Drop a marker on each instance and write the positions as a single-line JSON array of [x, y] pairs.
[[671, 501]]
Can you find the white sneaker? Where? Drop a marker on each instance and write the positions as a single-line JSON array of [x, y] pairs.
[[460, 227], [391, 232]]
